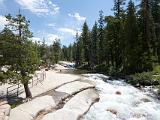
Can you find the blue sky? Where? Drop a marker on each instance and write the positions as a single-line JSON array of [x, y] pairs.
[[52, 19]]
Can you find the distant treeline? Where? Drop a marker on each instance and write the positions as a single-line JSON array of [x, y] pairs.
[[128, 42]]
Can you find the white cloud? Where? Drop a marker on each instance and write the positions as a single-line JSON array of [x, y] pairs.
[[36, 39], [67, 30], [39, 7], [77, 16], [51, 25], [51, 38], [3, 22]]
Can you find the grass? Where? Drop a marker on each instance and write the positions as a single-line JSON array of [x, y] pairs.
[[13, 105]]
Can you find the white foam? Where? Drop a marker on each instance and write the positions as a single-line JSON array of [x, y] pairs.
[[129, 104]]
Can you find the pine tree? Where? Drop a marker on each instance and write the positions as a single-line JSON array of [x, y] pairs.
[[7, 42], [43, 50], [94, 44], [27, 58], [86, 43], [74, 52], [56, 51], [132, 44], [118, 7], [78, 51], [119, 35], [101, 41], [111, 35], [155, 9], [70, 52], [147, 36], [64, 55]]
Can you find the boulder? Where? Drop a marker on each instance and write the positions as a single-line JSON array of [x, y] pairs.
[[113, 111], [145, 100], [118, 93]]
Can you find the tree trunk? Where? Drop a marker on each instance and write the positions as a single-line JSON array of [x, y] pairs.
[[27, 90], [25, 84]]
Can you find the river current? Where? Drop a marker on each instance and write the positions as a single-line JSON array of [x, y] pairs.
[[121, 101]]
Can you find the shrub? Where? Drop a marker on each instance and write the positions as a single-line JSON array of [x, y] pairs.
[[157, 79], [144, 79], [156, 69], [3, 77], [101, 68], [84, 67]]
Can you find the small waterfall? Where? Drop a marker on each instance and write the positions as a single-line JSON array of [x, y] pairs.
[[121, 101]]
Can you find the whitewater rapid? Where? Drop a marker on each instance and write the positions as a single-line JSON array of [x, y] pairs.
[[121, 101]]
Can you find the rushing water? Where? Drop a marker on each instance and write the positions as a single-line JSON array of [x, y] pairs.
[[120, 101]]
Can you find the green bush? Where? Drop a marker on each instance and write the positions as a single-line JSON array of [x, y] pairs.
[[13, 105], [156, 69], [3, 77], [157, 79], [112, 71], [144, 79], [84, 67], [101, 68]]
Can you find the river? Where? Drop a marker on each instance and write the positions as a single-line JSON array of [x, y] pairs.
[[121, 101]]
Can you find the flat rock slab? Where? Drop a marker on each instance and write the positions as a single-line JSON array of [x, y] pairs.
[[57, 96], [75, 107], [30, 110], [5, 109], [52, 81], [74, 87]]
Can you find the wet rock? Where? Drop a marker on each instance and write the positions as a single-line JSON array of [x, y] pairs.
[[136, 103], [112, 78], [118, 93], [113, 111], [139, 115], [145, 100]]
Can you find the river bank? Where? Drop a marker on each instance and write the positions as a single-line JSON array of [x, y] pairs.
[[66, 94]]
